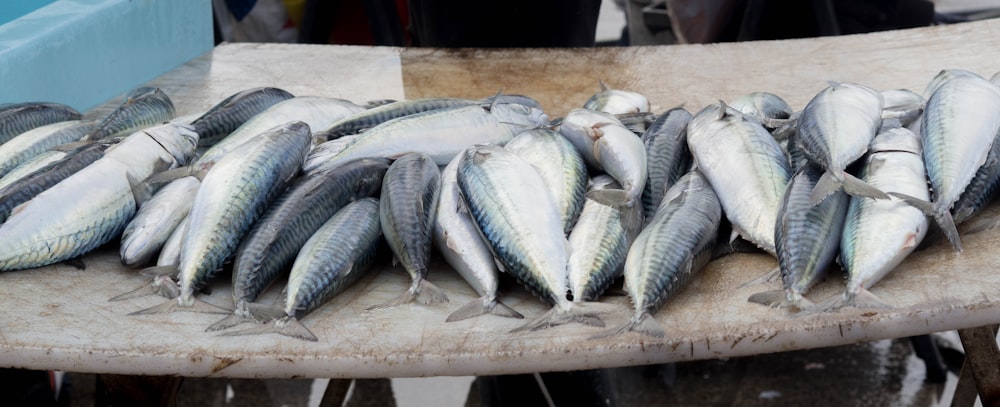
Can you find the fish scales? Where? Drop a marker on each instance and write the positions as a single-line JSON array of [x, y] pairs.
[[29, 186], [142, 107], [275, 239], [232, 196], [35, 141], [668, 156], [369, 118], [559, 165], [18, 118], [229, 114], [33, 164], [56, 225], [156, 220]]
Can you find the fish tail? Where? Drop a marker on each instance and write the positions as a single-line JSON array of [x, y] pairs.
[[163, 177], [828, 184], [611, 197], [160, 285], [196, 305], [780, 299], [643, 323], [766, 278], [229, 321], [940, 214], [856, 187], [561, 315], [861, 299], [170, 271], [248, 312], [288, 326], [421, 292], [481, 306]]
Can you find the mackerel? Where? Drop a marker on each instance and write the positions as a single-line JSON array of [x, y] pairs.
[[560, 166], [457, 238], [35, 141], [31, 185], [607, 145], [667, 254], [581, 127], [959, 124], [233, 111], [322, 152], [369, 118], [617, 101], [156, 220], [440, 133], [273, 242], [746, 167], [520, 220], [407, 210], [834, 130], [878, 235], [143, 107], [667, 156], [18, 118], [335, 257], [770, 109], [33, 164], [807, 238], [170, 253], [57, 225], [232, 196], [599, 243]]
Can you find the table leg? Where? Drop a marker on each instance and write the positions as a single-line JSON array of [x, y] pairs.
[[126, 390], [982, 359], [336, 393]]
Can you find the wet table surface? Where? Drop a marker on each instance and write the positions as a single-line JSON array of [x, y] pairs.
[[59, 317]]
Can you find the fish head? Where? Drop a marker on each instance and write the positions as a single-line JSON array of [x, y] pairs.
[[519, 117], [179, 140]]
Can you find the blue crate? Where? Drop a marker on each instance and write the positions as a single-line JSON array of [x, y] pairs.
[[86, 52]]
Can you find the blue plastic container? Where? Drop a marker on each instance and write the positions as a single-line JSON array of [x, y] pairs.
[[86, 52]]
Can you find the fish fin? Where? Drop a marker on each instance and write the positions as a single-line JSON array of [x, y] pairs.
[[780, 299], [229, 321], [164, 177], [604, 86], [288, 326], [154, 271], [584, 313], [69, 147], [174, 306], [163, 308], [428, 293], [264, 312], [979, 224], [941, 216], [644, 324], [826, 186], [611, 197], [482, 306], [248, 312], [866, 300], [856, 187], [863, 299], [160, 285], [141, 191], [766, 278]]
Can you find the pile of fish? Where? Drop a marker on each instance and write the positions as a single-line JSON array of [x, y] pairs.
[[302, 191]]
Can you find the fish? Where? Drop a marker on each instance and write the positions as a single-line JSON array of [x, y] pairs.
[[340, 252], [35, 141], [274, 241], [960, 122], [33, 164], [667, 156], [982, 189], [440, 133], [457, 238], [407, 210], [322, 152], [17, 118], [30, 185], [369, 118], [607, 145], [995, 79], [57, 225], [879, 234], [170, 253], [142, 107], [807, 239], [517, 215], [770, 109], [234, 193], [599, 243], [580, 126], [900, 107], [745, 166], [670, 251], [155, 221], [560, 166], [617, 101], [229, 114], [834, 130]]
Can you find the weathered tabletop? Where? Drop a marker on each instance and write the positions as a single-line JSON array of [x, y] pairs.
[[58, 317]]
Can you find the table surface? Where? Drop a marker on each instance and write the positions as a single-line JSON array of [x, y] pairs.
[[59, 317]]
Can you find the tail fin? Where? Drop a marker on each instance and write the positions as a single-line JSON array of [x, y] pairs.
[[176, 305], [643, 323], [856, 187], [288, 326], [862, 299], [163, 286], [781, 299], [421, 292], [940, 214], [766, 278], [248, 312], [581, 312], [832, 182], [481, 306], [610, 197]]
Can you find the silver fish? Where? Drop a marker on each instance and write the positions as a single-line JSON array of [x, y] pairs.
[[170, 253], [599, 243], [834, 130], [274, 241], [667, 156], [580, 127], [981, 189], [519, 218], [322, 152], [770, 109], [745, 166], [143, 107], [878, 235], [457, 238], [959, 124], [617, 101], [369, 118], [807, 238], [336, 256], [229, 114], [57, 225], [30, 185], [670, 250], [407, 210], [560, 166], [33, 164], [35, 141], [18, 118], [156, 220], [441, 133], [232, 196]]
